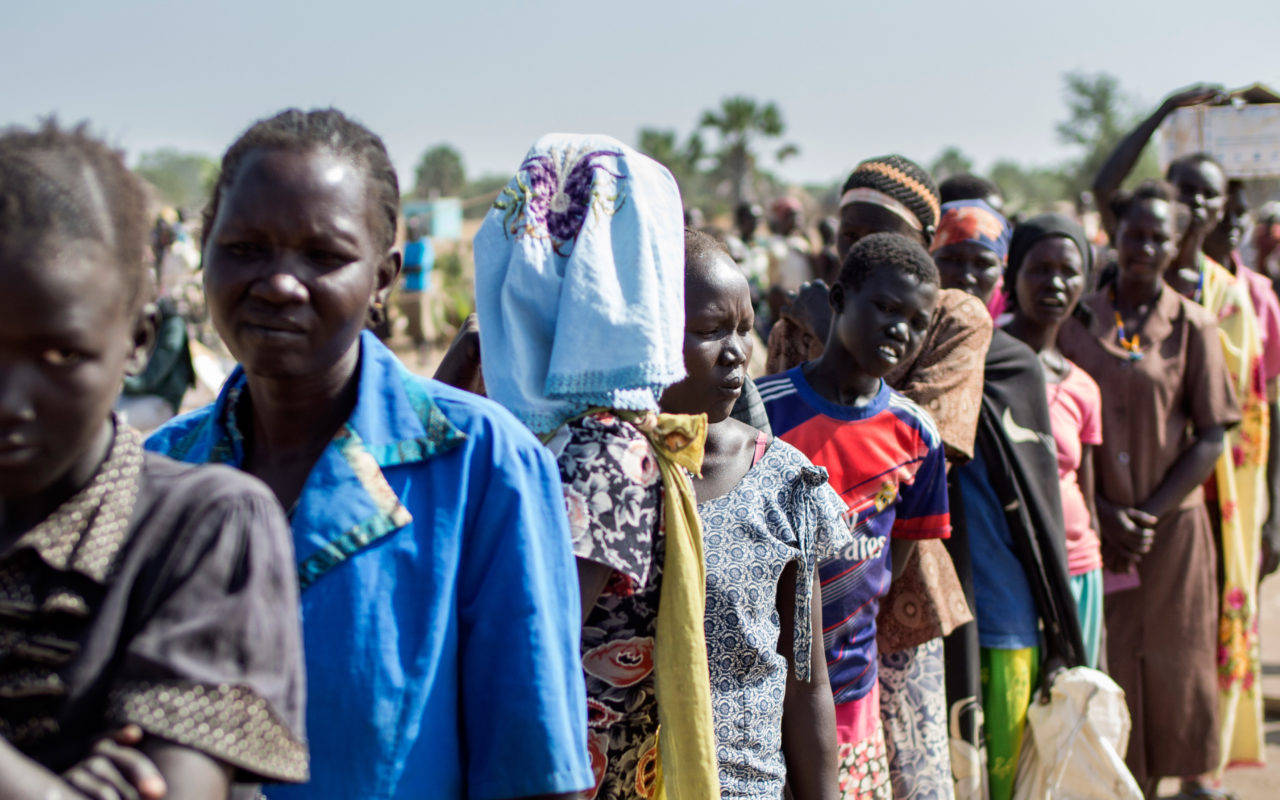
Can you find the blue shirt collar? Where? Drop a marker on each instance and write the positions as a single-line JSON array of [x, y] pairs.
[[395, 418], [346, 503], [863, 411]]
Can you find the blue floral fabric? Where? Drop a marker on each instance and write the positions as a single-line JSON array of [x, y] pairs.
[[913, 708], [781, 512]]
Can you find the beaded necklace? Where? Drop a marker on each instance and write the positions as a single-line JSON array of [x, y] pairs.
[[1130, 344]]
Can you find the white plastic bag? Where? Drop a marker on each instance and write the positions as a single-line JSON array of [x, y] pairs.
[[1074, 746]]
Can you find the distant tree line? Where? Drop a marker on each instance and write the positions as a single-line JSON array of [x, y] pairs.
[[734, 148]]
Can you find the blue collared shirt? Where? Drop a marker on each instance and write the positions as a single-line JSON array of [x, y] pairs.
[[439, 595]]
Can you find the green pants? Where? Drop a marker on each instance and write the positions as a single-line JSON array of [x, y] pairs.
[[1008, 679]]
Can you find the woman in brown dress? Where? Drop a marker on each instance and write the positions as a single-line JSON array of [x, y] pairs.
[[1166, 405]]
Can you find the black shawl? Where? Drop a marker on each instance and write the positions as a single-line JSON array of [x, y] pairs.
[[1016, 441]]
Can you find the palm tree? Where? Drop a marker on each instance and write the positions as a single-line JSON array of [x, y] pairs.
[[664, 147], [740, 121]]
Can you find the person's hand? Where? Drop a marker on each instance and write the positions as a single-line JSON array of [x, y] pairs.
[[116, 770], [1270, 547], [811, 309], [1131, 530], [1116, 560], [1139, 530], [1195, 95]]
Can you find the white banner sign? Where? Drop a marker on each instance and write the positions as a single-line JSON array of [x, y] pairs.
[[1246, 140]]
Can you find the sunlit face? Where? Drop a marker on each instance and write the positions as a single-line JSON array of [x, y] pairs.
[[883, 323], [292, 263], [1050, 280], [67, 334], [1202, 188], [1229, 234], [1146, 240], [859, 220], [717, 340]]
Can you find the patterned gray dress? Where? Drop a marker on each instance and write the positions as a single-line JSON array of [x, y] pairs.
[[781, 511]]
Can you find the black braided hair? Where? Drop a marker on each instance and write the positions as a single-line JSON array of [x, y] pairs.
[[887, 251], [967, 187], [699, 246], [905, 181], [1192, 160], [59, 182], [1146, 191], [325, 128]]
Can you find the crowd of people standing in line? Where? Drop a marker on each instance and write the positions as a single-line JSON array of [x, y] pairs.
[[632, 571]]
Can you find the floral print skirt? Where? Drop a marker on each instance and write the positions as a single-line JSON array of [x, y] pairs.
[[864, 768], [913, 708]]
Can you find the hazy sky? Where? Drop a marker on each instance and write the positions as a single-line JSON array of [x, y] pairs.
[[853, 78]]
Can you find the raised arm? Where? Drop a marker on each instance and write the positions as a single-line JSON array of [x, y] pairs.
[[1120, 163]]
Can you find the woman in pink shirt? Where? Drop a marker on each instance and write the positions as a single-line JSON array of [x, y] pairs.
[[1049, 259]]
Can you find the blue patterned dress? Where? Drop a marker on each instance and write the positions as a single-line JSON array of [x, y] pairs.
[[781, 511]]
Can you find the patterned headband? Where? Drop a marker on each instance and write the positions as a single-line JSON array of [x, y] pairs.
[[973, 221], [877, 198], [906, 181]]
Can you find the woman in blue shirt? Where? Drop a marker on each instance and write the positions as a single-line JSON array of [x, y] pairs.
[[439, 593]]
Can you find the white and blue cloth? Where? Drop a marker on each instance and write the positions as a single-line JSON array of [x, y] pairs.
[[580, 282]]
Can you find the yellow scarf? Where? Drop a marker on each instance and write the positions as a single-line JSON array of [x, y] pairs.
[[686, 737]]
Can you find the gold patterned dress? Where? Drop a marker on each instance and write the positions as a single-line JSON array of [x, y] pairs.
[[1240, 481]]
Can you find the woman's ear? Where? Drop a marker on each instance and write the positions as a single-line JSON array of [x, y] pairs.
[[145, 325], [388, 271], [835, 296]]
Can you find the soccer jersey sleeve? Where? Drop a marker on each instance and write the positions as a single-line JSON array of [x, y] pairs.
[[922, 503]]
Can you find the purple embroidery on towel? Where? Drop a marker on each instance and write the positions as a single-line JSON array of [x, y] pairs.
[[554, 199]]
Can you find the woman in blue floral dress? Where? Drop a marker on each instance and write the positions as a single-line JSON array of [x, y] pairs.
[[768, 518]]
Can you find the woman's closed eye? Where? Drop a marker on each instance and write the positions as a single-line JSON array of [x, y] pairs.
[[244, 251], [329, 259]]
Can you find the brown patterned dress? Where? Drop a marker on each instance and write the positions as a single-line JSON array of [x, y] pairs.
[[161, 595]]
